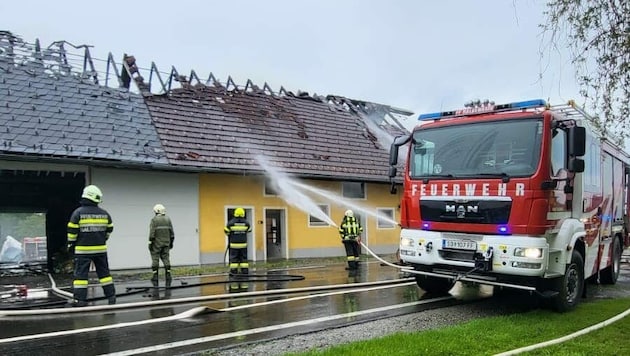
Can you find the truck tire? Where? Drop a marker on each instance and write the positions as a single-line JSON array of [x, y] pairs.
[[611, 273], [569, 286], [434, 285]]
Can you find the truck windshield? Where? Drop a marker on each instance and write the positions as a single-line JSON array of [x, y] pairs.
[[509, 148]]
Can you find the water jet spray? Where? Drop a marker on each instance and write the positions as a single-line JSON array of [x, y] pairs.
[[284, 185]]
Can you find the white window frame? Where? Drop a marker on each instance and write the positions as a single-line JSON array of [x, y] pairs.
[[326, 209], [382, 224]]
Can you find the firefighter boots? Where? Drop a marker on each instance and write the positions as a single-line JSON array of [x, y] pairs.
[[154, 278], [79, 303]]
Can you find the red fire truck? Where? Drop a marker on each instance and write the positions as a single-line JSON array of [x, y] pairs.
[[520, 195]]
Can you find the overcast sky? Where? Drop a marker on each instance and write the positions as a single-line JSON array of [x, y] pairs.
[[423, 56]]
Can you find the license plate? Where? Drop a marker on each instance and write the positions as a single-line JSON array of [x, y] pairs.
[[459, 244]]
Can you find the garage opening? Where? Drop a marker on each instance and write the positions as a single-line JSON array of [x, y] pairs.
[[34, 210]]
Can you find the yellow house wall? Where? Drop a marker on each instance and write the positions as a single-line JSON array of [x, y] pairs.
[[217, 191]]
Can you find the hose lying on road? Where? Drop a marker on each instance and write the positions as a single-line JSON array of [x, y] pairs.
[[68, 297]]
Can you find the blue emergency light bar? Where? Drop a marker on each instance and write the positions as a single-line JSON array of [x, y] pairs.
[[483, 109]]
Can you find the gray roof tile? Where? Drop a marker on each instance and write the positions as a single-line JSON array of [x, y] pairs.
[[66, 116]]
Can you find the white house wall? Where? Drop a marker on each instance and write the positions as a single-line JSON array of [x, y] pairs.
[[129, 196]]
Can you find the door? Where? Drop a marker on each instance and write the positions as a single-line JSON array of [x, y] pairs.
[[274, 233]]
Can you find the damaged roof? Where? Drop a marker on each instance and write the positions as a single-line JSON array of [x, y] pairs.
[[213, 127], [49, 109]]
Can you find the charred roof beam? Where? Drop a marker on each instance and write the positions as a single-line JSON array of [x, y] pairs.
[[88, 63]]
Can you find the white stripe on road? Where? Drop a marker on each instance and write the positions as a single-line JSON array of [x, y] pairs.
[[205, 339], [187, 314]]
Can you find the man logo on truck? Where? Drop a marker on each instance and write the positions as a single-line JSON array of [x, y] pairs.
[[461, 210]]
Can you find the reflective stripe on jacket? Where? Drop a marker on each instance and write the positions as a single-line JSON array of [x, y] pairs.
[[237, 229], [89, 228], [350, 228]]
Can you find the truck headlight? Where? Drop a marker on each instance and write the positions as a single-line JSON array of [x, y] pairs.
[[529, 252], [406, 242]]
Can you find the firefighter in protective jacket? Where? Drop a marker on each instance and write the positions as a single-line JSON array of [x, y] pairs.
[[88, 230], [161, 238], [237, 229], [350, 231]]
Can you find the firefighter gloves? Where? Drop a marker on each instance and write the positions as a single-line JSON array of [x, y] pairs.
[[71, 249]]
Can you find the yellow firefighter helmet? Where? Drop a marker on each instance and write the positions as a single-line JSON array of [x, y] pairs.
[[239, 213]]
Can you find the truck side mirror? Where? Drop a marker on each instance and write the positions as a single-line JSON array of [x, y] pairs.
[[392, 172], [576, 165], [577, 142], [393, 150], [393, 155]]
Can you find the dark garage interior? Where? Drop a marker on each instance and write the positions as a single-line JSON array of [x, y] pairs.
[[44, 198]]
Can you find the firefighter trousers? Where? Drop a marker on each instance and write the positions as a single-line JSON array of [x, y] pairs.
[[82, 269], [160, 253], [352, 253], [238, 260]]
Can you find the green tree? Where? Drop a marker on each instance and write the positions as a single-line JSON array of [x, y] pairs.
[[597, 34]]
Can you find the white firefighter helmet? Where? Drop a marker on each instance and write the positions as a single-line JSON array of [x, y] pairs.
[[92, 193], [159, 209], [349, 213]]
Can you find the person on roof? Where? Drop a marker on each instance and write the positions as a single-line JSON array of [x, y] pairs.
[[88, 231], [350, 231], [236, 230], [161, 238]]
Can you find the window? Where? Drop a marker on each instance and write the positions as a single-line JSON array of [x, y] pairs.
[[558, 151], [385, 218], [509, 147], [23, 237], [592, 165], [269, 188], [314, 221], [353, 190]]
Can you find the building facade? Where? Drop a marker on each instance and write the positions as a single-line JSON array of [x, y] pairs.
[[294, 162]]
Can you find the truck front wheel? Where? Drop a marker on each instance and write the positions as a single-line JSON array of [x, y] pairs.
[[570, 286], [434, 285]]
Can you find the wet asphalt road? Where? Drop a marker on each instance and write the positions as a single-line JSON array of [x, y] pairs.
[[210, 323]]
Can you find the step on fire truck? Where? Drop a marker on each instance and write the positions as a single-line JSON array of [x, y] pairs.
[[521, 195]]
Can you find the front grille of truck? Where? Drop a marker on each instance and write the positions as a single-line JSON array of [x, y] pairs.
[[473, 211]]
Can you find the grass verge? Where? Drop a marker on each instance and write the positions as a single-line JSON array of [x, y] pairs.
[[494, 335]]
